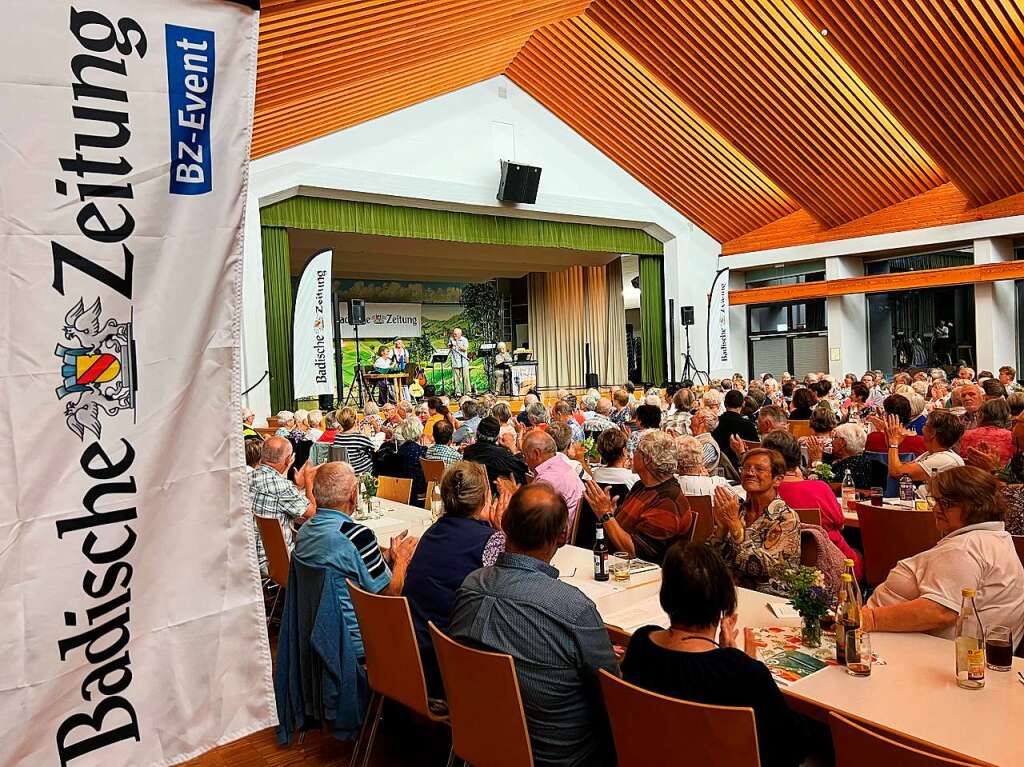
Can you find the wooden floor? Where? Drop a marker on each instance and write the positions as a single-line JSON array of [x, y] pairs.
[[401, 742]]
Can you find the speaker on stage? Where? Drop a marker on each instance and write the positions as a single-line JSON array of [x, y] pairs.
[[592, 382], [687, 314], [357, 312], [518, 182], [325, 402]]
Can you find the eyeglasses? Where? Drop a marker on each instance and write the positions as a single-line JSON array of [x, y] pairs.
[[943, 503], [756, 470]]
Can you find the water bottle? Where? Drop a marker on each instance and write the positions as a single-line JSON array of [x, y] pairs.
[[906, 488], [849, 490]]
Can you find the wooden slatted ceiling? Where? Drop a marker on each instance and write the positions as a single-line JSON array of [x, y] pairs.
[[952, 72], [764, 78], [327, 64], [589, 82]]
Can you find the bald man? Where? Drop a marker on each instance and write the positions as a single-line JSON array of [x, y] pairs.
[[540, 453], [276, 496], [332, 539]]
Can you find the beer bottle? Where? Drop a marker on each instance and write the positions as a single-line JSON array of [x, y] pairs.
[[970, 644], [600, 555]]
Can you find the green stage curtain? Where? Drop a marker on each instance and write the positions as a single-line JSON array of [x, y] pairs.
[[277, 292], [330, 215], [652, 319]]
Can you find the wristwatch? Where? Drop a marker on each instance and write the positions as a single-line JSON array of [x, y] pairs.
[[604, 518]]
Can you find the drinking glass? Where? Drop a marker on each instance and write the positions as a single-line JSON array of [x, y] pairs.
[[620, 568], [877, 493], [999, 648], [858, 654]]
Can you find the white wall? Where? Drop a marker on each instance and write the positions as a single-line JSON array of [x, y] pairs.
[[444, 153]]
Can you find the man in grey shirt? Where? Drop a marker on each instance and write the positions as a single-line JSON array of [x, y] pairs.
[[551, 630]]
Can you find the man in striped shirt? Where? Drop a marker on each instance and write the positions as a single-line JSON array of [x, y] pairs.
[[331, 539]]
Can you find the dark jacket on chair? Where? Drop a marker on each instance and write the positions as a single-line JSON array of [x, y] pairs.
[[318, 676]]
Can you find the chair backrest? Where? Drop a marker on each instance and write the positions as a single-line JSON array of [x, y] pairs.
[[654, 729], [857, 745], [393, 665], [433, 471], [394, 489], [890, 535], [808, 549], [484, 705], [809, 516], [276, 549], [429, 494], [337, 453], [1018, 543], [704, 522], [800, 429]]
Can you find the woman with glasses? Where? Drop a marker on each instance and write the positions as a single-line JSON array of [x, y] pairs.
[[762, 535], [922, 593]]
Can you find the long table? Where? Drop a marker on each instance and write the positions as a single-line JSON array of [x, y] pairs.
[[914, 692]]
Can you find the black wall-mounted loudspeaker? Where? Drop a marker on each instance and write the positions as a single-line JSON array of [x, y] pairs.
[[518, 182], [356, 312], [687, 313]]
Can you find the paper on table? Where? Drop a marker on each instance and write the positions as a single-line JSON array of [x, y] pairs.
[[644, 612], [783, 610]]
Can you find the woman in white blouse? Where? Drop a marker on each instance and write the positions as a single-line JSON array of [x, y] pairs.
[[922, 593], [692, 476]]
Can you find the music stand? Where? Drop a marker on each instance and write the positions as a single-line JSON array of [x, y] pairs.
[[487, 351], [439, 356]]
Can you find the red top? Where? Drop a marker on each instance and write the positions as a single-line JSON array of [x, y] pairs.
[[993, 436], [878, 443], [813, 493], [328, 436]]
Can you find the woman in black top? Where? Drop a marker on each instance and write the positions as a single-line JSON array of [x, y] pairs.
[[693, 660]]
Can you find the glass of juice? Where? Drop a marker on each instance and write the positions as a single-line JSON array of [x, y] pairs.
[[999, 648]]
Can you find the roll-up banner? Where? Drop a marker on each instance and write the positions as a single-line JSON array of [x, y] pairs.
[[313, 331], [132, 630], [719, 353]]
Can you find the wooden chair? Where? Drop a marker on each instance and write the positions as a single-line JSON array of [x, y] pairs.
[[800, 429], [433, 471], [808, 549], [394, 489], [484, 705], [704, 524], [809, 516], [654, 729], [393, 665], [890, 535], [1018, 543], [278, 556], [429, 494], [857, 745]]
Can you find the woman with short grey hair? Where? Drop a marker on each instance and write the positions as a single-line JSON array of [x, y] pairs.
[[848, 441], [692, 475], [405, 462]]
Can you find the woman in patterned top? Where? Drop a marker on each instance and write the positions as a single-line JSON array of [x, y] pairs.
[[762, 535]]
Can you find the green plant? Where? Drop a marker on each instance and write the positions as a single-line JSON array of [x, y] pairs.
[[480, 301], [824, 472], [590, 449], [805, 587], [368, 482]]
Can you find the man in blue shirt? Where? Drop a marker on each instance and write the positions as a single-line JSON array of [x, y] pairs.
[[332, 539], [551, 630]]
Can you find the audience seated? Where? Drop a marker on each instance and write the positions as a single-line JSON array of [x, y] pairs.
[[406, 461], [800, 493], [541, 455], [253, 450], [1010, 476], [358, 445], [922, 593], [470, 421], [648, 419], [732, 423], [971, 396], [692, 475], [563, 412], [274, 495], [247, 420], [698, 658], [993, 430], [331, 539], [615, 468], [899, 406], [762, 534], [654, 513], [330, 428], [822, 422], [551, 629], [942, 431], [848, 456], [466, 538], [803, 405], [497, 459], [442, 449]]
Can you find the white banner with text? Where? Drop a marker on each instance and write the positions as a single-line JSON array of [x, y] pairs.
[[133, 630], [313, 330], [386, 321]]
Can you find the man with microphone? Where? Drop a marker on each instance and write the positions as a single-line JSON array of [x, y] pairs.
[[458, 346]]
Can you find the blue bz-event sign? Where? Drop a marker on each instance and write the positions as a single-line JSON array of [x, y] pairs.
[[191, 63]]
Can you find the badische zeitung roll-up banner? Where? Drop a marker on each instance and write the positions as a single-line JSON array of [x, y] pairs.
[[131, 619], [313, 330]]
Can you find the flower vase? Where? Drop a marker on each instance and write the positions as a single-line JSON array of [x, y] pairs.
[[810, 633]]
